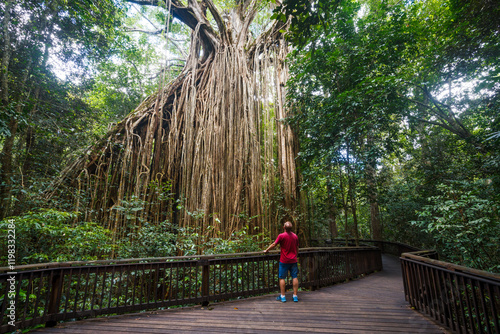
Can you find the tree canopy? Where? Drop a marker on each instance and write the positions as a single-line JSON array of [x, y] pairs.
[[401, 97]]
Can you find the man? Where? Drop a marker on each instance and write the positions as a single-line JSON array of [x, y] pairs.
[[289, 245]]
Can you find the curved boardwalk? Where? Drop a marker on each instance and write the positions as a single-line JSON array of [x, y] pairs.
[[373, 304]]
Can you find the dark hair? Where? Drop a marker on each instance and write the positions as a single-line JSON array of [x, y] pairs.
[[288, 226]]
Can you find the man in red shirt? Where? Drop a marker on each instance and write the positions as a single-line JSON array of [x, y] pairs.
[[289, 245]]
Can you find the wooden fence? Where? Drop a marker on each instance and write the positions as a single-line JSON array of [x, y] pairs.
[[49, 293], [463, 299]]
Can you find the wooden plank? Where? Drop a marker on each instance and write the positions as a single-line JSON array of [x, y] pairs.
[[269, 325], [373, 304]]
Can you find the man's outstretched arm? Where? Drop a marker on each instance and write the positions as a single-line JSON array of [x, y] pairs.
[[271, 246]]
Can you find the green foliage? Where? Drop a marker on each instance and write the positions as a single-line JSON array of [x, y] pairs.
[[130, 208], [343, 98], [465, 224], [400, 202], [388, 63], [149, 241], [123, 81], [46, 120], [307, 17], [51, 235], [239, 242]]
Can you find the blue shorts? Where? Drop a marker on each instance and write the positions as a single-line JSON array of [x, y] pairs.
[[285, 267]]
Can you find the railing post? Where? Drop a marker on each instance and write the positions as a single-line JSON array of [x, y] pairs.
[[313, 271], [55, 298], [348, 268], [205, 281]]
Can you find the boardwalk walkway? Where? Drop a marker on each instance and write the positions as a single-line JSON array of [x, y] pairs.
[[374, 304]]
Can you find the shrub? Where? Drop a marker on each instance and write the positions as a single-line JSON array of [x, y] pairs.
[[465, 225], [49, 235]]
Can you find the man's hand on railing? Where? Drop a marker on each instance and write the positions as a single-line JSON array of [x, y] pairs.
[[271, 246]]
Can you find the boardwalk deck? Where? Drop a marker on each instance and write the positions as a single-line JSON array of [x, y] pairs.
[[374, 304]]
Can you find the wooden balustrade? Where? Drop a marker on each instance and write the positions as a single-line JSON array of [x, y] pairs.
[[49, 293], [463, 299]]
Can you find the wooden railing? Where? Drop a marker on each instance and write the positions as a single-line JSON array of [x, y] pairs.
[[48, 293], [387, 247], [463, 299]]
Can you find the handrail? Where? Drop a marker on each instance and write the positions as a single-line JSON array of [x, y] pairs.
[[465, 300], [47, 265], [420, 256], [389, 247], [55, 293]]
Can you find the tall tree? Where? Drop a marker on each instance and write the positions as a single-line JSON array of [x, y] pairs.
[[341, 104], [210, 136], [6, 157]]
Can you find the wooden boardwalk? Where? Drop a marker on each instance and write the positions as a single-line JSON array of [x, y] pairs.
[[373, 304]]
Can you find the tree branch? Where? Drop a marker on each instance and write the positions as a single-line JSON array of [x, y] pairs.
[[245, 4], [145, 17], [179, 11], [454, 119], [272, 34], [159, 32], [435, 102], [448, 116], [218, 19], [192, 15], [177, 59], [164, 69], [247, 15], [447, 127], [426, 92], [139, 73], [149, 32], [439, 114], [452, 125]]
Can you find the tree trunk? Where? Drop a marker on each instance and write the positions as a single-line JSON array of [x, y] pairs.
[[345, 205], [332, 210], [352, 197], [27, 163], [6, 157], [376, 226], [371, 187], [332, 207], [6, 54], [354, 208], [6, 171]]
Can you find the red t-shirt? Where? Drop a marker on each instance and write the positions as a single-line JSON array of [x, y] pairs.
[[289, 244]]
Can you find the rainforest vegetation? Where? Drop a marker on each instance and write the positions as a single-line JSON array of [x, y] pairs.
[[136, 128]]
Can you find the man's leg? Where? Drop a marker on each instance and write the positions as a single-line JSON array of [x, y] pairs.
[[295, 282], [282, 286], [283, 272], [294, 270]]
